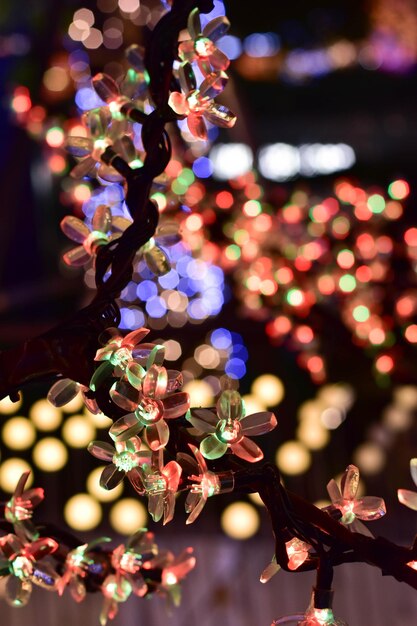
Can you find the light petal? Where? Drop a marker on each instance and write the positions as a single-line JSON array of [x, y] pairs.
[[408, 498], [45, 576], [105, 87], [125, 427], [101, 450], [157, 261], [220, 115], [63, 391], [155, 382], [157, 435], [74, 228], [86, 167], [172, 471], [178, 103], [110, 477], [135, 374], [258, 423], [369, 508], [413, 470], [194, 24], [176, 405], [216, 28], [102, 219], [196, 126], [212, 448], [175, 380], [135, 479], [132, 339], [213, 85], [248, 450], [18, 591], [229, 405], [218, 60], [333, 491], [79, 146], [194, 505], [169, 506], [269, 571], [156, 506], [76, 257], [203, 420], [186, 74], [350, 482], [102, 373], [124, 395]]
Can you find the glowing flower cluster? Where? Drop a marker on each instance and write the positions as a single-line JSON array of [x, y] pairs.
[[228, 427]]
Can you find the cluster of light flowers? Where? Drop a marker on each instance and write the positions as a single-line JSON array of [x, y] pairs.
[[137, 567]]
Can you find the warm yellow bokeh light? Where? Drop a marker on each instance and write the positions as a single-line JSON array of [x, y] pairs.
[[240, 520], [339, 395], [18, 433], [10, 472], [7, 407], [200, 392], [293, 458], [269, 389], [370, 458], [128, 515], [82, 512], [78, 431], [253, 404], [74, 405], [45, 416], [50, 454], [313, 435], [100, 420], [104, 495]]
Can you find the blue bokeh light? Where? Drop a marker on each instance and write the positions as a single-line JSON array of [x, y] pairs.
[[203, 167], [235, 368], [221, 339]]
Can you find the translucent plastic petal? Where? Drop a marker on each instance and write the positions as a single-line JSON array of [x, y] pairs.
[[357, 527], [203, 420], [40, 548], [213, 85], [156, 356], [76, 257], [186, 53], [125, 427], [125, 147], [413, 470], [369, 508], [111, 476], [135, 56], [216, 28], [220, 115], [79, 146], [74, 228], [157, 261], [135, 479], [172, 471], [169, 507], [409, 498], [168, 234], [175, 380], [63, 391], [229, 405], [196, 126], [194, 504], [219, 60], [132, 339], [176, 405], [18, 591], [333, 491], [178, 103], [86, 167], [194, 24], [212, 448], [155, 382], [247, 449], [107, 174], [187, 77], [199, 457], [258, 423], [102, 373], [139, 585], [102, 218], [124, 395], [77, 588], [45, 576], [157, 435], [156, 507], [350, 482], [269, 571], [135, 374], [97, 121], [105, 87], [101, 450], [120, 223]]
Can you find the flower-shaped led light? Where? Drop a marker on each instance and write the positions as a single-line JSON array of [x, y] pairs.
[[166, 234], [119, 360], [228, 427], [174, 569], [160, 483], [405, 496], [157, 403], [18, 510], [128, 560], [297, 551], [198, 104], [124, 460], [76, 567], [102, 131], [201, 47], [204, 483], [368, 508], [104, 228], [19, 561]]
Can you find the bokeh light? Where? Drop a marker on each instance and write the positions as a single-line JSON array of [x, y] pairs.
[[128, 515], [82, 512], [240, 520]]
